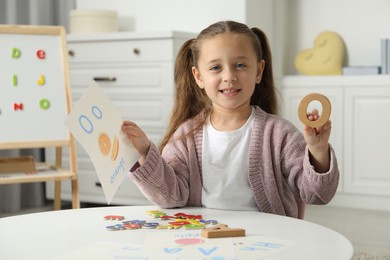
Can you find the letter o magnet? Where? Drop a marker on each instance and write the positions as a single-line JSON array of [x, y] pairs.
[[326, 109], [44, 103]]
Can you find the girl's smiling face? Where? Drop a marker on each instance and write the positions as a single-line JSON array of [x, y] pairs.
[[228, 70]]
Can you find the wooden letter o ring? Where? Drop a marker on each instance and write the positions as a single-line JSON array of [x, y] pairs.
[[326, 109]]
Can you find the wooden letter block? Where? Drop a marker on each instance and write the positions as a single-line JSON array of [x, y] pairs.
[[222, 230]]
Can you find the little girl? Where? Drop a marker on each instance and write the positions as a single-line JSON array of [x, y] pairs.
[[225, 147]]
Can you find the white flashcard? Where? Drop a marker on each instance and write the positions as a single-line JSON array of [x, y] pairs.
[[96, 124]]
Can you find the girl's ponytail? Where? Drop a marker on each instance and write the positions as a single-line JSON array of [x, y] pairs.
[[190, 100], [265, 92]]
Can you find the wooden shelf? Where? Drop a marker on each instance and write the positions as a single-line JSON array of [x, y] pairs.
[[329, 81], [45, 172]]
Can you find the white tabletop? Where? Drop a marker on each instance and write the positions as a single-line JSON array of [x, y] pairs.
[[51, 234]]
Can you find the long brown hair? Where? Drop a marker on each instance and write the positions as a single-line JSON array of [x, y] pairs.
[[191, 100]]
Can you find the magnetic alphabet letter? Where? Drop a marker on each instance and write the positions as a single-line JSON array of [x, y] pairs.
[[41, 54], [15, 80], [18, 106], [44, 104], [16, 53], [41, 81]]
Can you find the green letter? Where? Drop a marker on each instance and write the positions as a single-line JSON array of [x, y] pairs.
[[44, 103], [16, 53]]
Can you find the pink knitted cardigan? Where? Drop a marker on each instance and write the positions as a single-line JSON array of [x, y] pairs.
[[279, 169]]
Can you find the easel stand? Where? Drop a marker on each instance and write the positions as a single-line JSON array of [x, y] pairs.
[[38, 99], [17, 164], [26, 170]]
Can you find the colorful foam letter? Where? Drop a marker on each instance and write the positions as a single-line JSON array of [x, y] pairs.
[[114, 217]]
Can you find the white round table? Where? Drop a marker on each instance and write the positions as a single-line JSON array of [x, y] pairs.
[[50, 234]]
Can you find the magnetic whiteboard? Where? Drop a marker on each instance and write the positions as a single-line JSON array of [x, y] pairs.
[[34, 86]]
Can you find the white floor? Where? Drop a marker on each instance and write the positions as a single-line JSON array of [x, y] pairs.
[[368, 231]]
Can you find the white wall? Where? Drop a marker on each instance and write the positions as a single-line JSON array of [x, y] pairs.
[[185, 15], [291, 25], [157, 15], [361, 24]]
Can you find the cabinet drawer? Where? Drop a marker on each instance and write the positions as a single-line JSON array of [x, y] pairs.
[[149, 112], [128, 193], [153, 78], [117, 51], [91, 191]]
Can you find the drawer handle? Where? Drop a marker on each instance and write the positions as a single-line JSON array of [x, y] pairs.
[[107, 79], [136, 51], [98, 184], [71, 53]]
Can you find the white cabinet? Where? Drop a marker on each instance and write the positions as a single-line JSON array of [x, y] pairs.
[[367, 139], [360, 104], [136, 71], [360, 132]]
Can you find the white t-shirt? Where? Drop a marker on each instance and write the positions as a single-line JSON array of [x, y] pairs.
[[225, 168]]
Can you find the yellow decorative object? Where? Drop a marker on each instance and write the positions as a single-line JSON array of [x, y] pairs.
[[325, 58]]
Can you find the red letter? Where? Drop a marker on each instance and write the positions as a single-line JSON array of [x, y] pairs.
[[41, 54], [114, 217], [18, 106]]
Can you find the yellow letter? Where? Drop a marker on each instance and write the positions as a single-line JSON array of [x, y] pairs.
[[41, 80]]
